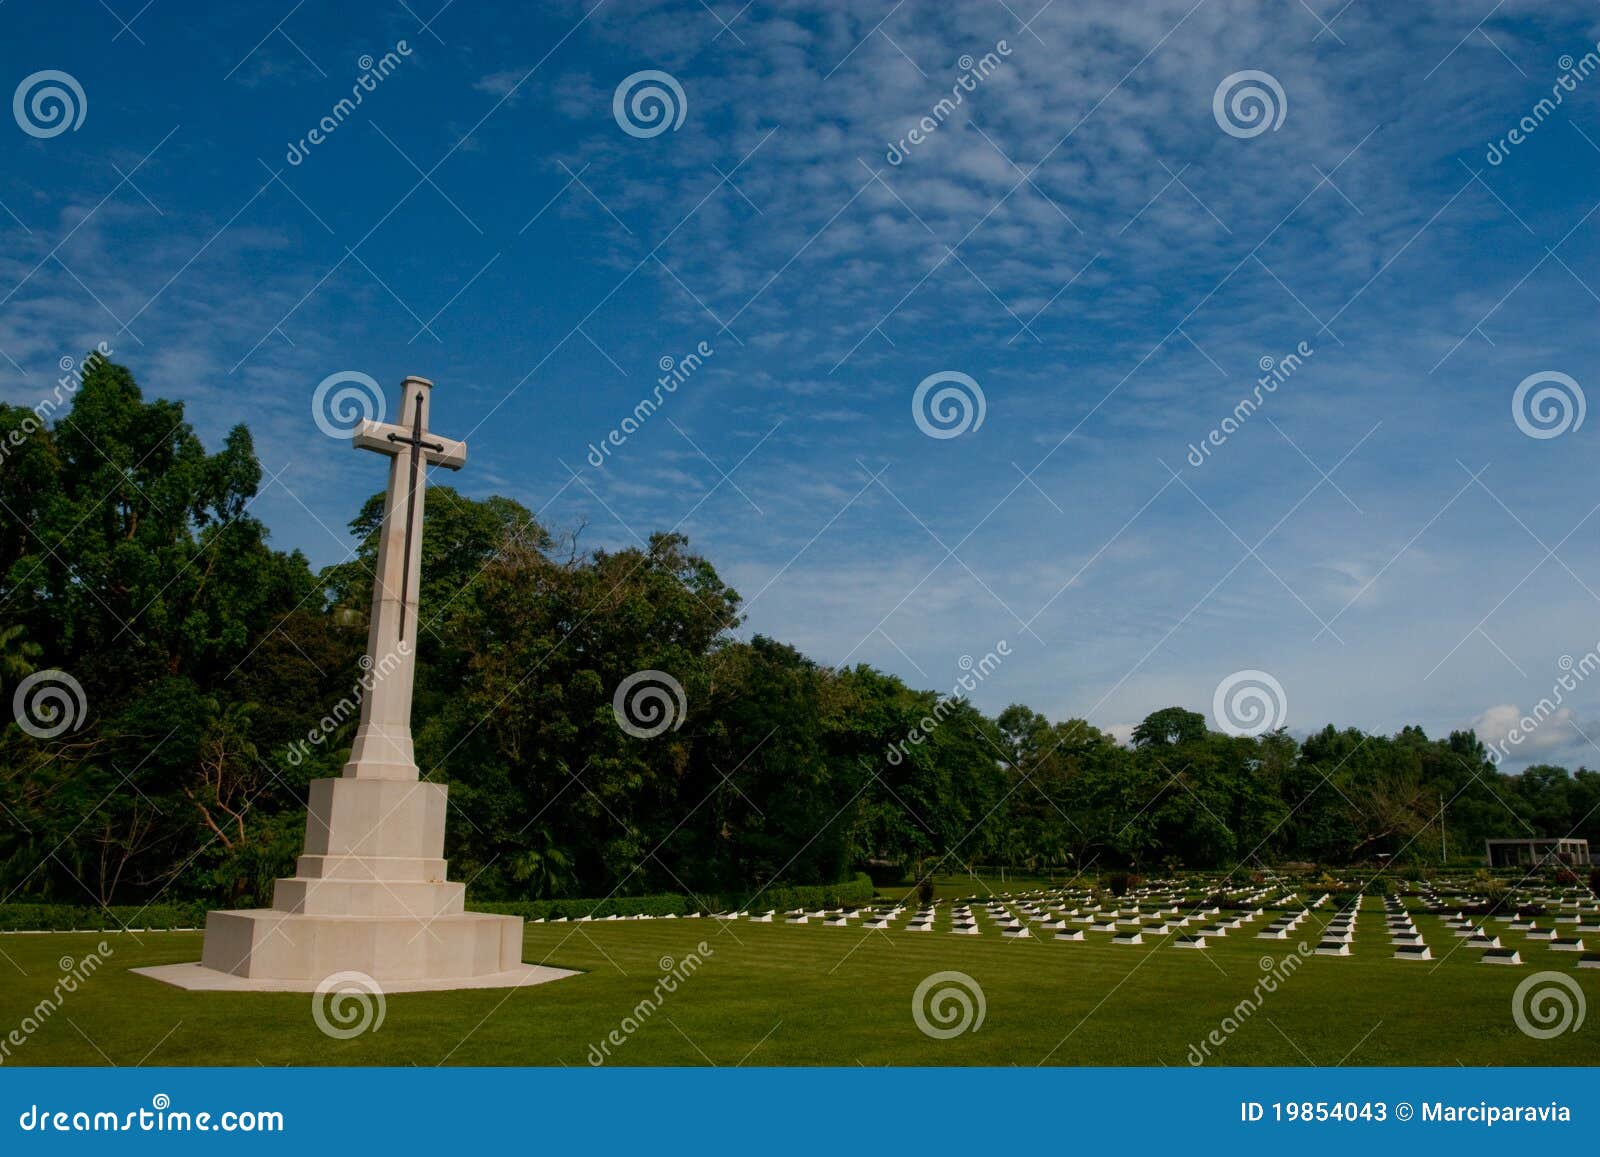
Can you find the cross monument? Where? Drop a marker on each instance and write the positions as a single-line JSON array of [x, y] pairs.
[[369, 898], [382, 748]]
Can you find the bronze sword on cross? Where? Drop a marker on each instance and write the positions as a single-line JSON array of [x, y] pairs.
[[418, 445], [407, 476]]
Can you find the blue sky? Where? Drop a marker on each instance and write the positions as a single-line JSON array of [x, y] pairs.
[[1081, 236]]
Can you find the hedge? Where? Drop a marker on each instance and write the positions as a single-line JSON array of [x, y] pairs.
[[573, 908], [32, 917], [28, 917], [856, 891]]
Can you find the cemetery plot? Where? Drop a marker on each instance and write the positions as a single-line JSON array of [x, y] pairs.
[[838, 978]]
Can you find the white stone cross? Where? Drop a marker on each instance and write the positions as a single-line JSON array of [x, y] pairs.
[[382, 747]]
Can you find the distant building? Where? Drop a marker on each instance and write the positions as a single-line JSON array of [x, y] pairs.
[[1537, 853]]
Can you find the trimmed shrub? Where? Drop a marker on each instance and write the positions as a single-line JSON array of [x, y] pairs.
[[887, 875], [1119, 883]]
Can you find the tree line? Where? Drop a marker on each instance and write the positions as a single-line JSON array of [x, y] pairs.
[[130, 559]]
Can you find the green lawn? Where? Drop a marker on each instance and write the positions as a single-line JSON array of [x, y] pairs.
[[780, 995]]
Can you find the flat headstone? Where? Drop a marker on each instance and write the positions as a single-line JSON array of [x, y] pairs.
[[1333, 948], [1413, 952], [1566, 944], [1501, 956], [1189, 942], [1128, 938], [1589, 960], [1070, 934]]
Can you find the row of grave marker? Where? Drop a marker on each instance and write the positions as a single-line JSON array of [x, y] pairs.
[[1157, 911]]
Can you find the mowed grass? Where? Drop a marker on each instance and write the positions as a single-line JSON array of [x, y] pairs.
[[776, 994]]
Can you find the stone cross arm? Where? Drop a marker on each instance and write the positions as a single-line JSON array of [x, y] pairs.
[[387, 438]]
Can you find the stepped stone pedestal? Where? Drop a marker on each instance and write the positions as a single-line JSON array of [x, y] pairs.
[[369, 895]]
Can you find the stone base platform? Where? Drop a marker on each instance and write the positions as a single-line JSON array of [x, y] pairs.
[[270, 943], [199, 978], [368, 897]]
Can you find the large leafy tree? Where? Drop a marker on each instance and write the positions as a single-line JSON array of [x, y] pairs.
[[131, 559]]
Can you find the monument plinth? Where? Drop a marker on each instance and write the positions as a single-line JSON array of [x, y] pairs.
[[370, 894]]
